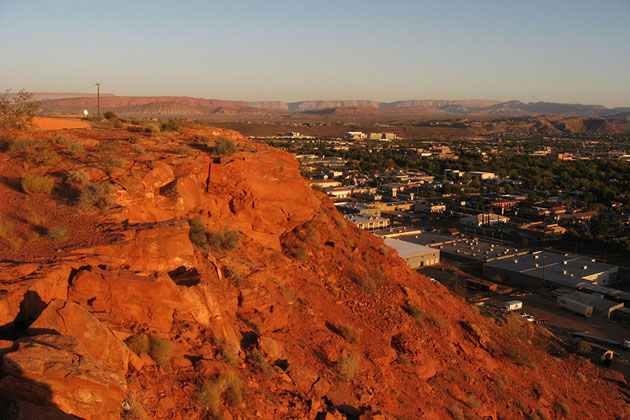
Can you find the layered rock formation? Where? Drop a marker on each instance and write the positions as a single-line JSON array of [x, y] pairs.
[[222, 284]]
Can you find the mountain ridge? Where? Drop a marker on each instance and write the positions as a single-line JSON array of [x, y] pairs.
[[127, 105]]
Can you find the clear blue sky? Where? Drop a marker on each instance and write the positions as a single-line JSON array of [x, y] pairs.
[[552, 50]]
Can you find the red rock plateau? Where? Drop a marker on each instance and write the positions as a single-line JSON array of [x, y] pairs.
[[209, 284]]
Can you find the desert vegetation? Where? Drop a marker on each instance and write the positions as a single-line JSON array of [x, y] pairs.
[[35, 184], [226, 388], [17, 111], [225, 146], [348, 365]]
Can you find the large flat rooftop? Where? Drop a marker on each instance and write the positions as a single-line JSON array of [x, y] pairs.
[[566, 269], [408, 249]]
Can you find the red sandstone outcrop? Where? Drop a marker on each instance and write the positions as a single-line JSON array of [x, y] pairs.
[[56, 371]]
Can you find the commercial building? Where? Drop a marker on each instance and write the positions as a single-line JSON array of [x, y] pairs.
[[358, 208], [601, 306], [382, 136], [483, 176], [338, 192], [366, 222], [542, 230], [427, 207], [416, 255], [356, 135], [485, 219], [550, 268], [476, 251]]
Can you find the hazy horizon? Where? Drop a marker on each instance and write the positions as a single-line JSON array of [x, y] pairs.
[[565, 51]]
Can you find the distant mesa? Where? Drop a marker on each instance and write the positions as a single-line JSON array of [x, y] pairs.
[[188, 107]]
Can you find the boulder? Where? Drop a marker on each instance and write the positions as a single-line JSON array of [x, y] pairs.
[[162, 246], [22, 298], [68, 318], [124, 296], [56, 371]]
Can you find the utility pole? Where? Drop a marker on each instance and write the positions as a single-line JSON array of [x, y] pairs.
[[98, 100]]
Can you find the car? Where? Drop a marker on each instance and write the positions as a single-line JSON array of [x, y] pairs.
[[528, 317]]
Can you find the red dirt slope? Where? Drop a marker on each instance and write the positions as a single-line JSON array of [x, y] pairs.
[[300, 315]]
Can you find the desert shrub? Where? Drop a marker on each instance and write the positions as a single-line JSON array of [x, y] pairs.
[[108, 146], [456, 412], [340, 223], [74, 148], [15, 243], [198, 234], [109, 115], [18, 146], [132, 409], [108, 163], [17, 111], [171, 125], [6, 229], [203, 139], [151, 127], [160, 350], [225, 387], [138, 343], [233, 274], [297, 251], [259, 361], [225, 146], [186, 151], [562, 408], [308, 234], [348, 365], [138, 149], [97, 195], [228, 350], [369, 282], [224, 240], [473, 402], [34, 184], [349, 333], [32, 236], [133, 139], [415, 312], [57, 233], [77, 177], [43, 154], [502, 382]]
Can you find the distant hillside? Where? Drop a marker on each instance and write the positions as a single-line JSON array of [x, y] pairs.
[[187, 107]]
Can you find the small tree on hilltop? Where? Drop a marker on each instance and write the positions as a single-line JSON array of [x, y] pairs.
[[17, 110]]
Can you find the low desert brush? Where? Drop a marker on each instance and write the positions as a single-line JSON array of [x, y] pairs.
[[226, 387], [35, 184], [349, 333], [348, 365], [57, 233]]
